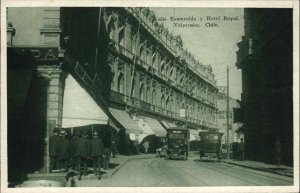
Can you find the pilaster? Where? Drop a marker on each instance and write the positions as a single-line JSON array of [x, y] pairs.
[[56, 81]]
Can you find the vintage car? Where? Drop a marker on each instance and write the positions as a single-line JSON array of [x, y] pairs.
[[177, 143]]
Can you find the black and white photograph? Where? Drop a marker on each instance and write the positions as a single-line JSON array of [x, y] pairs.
[[150, 96]]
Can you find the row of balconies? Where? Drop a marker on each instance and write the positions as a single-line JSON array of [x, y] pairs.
[[134, 102], [170, 48], [172, 82]]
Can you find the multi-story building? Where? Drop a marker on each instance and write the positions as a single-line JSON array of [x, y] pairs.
[[69, 67], [233, 136], [265, 57]]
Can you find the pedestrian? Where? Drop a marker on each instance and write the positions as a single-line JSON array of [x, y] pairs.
[[53, 146], [113, 149], [97, 152], [186, 147], [241, 149], [63, 152], [146, 146], [80, 152], [85, 149], [74, 149], [278, 151], [107, 142]]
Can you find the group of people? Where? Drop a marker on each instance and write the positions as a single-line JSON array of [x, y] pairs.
[[240, 150], [75, 152]]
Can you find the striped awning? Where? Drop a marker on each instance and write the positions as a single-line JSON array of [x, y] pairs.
[[125, 120], [156, 127]]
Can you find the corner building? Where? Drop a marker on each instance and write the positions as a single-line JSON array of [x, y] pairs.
[[133, 74], [265, 57]]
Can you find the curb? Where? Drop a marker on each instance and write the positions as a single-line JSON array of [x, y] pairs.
[[122, 164], [259, 169]]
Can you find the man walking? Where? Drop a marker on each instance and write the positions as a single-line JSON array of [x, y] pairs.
[[278, 151], [53, 144], [97, 152], [242, 149], [63, 152]]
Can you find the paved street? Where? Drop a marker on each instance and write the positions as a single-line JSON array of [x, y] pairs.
[[157, 172]]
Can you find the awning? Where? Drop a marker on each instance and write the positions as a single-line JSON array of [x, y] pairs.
[[145, 127], [195, 134], [79, 108], [125, 120], [156, 127], [172, 124], [113, 125], [165, 124]]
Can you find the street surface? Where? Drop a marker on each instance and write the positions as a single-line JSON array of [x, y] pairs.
[[158, 172]]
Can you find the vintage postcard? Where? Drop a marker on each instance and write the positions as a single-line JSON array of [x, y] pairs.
[[149, 96]]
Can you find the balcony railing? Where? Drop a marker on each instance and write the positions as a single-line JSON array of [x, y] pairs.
[[117, 97]]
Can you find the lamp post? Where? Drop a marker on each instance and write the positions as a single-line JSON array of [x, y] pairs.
[[227, 114]]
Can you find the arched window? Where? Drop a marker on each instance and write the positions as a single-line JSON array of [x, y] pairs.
[[154, 60], [171, 105], [148, 56], [167, 69], [153, 97], [162, 67], [167, 104], [143, 52], [148, 94], [133, 89], [121, 83], [111, 28], [133, 44], [162, 102], [122, 37], [142, 95]]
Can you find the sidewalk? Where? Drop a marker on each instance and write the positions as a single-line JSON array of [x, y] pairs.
[[281, 170], [115, 164]]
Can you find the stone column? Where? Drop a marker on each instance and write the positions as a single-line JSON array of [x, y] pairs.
[[55, 89]]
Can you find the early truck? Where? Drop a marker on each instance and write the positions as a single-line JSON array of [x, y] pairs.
[[210, 145]]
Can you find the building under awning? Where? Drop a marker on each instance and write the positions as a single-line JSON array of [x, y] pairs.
[[79, 108], [125, 120], [156, 127]]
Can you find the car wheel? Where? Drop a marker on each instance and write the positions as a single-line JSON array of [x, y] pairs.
[[184, 157]]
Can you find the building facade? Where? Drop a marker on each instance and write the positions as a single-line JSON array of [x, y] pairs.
[[233, 136], [131, 68], [265, 58]]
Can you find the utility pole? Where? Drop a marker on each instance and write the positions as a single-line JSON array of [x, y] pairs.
[[227, 114]]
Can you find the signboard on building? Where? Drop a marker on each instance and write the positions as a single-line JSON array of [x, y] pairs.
[[182, 113]]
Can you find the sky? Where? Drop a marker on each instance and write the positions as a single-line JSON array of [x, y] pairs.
[[210, 45]]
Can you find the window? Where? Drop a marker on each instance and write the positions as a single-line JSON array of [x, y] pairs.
[[142, 95], [121, 83]]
